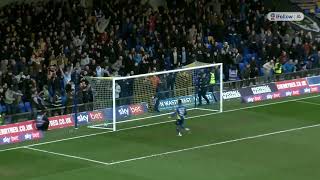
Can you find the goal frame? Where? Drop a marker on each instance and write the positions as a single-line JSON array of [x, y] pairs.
[[115, 79]]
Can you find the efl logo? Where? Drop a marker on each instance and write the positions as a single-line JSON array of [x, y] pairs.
[[285, 16]]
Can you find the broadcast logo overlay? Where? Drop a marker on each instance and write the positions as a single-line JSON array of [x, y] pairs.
[[285, 16]]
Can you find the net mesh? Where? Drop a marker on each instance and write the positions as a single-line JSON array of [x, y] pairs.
[[102, 92], [153, 88]]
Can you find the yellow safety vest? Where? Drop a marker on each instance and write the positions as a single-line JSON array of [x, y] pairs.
[[212, 78], [278, 68]]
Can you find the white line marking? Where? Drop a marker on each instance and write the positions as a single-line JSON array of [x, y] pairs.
[[213, 144], [308, 102], [136, 127], [66, 155], [204, 109], [10, 149], [99, 127], [149, 117]]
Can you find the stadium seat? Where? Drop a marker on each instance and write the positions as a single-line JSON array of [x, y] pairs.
[[22, 108], [245, 51], [261, 72], [219, 45], [28, 107], [241, 66], [206, 39], [4, 108]]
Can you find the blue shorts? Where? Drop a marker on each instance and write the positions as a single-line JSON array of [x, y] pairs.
[[179, 122]]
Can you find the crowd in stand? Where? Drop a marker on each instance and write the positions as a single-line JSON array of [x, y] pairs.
[[48, 47]]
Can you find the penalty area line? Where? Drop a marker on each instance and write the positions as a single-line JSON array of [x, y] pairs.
[[66, 155], [213, 144], [310, 103]]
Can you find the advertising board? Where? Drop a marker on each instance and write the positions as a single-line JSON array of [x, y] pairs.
[[61, 122], [256, 90], [170, 103], [18, 132]]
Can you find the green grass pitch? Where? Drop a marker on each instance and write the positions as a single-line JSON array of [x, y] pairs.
[[274, 140]]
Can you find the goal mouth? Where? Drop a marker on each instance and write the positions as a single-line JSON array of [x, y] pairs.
[[145, 98]]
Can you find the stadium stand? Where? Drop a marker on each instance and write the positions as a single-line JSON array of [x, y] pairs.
[[306, 4], [47, 48]]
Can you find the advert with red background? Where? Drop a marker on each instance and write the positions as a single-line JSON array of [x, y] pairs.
[[292, 84], [61, 122], [18, 132]]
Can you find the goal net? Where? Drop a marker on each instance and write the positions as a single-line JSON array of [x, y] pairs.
[[146, 99]]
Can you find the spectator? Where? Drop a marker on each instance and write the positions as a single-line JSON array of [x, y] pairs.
[[85, 60], [37, 102], [289, 68], [278, 69], [10, 100], [99, 71], [118, 64], [268, 70], [66, 74], [245, 75], [184, 56], [176, 62], [118, 91], [254, 72], [238, 57], [203, 88], [123, 37], [2, 96]]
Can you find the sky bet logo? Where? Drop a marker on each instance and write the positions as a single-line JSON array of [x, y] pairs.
[[285, 16], [83, 118], [136, 109], [123, 111], [96, 116]]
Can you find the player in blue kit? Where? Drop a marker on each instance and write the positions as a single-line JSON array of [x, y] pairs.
[[180, 114]]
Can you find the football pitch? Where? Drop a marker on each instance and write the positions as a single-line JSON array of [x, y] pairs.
[[273, 140]]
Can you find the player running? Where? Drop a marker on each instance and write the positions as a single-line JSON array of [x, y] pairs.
[[180, 114]]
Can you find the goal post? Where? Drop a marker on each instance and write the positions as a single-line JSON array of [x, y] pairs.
[[151, 98]]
